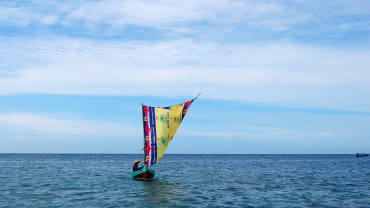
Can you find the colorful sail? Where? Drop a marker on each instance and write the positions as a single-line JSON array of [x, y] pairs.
[[160, 125]]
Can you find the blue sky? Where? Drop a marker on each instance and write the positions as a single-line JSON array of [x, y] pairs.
[[275, 76]]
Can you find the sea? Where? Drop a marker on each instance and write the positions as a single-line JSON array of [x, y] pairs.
[[189, 180]]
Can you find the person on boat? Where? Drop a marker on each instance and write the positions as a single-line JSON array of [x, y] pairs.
[[136, 165]]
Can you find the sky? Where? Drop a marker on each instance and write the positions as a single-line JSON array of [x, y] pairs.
[[276, 77]]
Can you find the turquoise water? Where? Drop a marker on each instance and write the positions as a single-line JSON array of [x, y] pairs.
[[70, 180]]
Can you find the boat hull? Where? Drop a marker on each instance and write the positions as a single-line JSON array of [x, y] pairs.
[[143, 174], [361, 155]]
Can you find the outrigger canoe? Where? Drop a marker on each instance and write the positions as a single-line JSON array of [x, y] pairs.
[[159, 126]]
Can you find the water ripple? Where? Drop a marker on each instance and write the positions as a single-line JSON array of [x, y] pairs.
[[32, 180]]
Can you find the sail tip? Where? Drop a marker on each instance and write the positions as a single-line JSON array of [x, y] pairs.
[[197, 96]]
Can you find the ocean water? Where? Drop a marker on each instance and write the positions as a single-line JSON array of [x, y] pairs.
[[89, 180]]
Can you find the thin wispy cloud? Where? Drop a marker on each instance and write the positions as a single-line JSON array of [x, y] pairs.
[[274, 73], [202, 19], [46, 124], [132, 12]]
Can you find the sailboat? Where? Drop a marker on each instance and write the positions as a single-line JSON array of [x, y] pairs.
[[159, 126], [361, 155]]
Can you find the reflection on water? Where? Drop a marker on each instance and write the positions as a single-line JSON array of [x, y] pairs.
[[159, 193]]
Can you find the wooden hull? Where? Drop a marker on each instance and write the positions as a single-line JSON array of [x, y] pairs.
[[143, 174]]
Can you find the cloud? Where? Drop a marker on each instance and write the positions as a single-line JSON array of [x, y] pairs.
[[47, 124], [159, 13], [131, 12], [217, 133], [270, 133], [288, 74], [178, 16]]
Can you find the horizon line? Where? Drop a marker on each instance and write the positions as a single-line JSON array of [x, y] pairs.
[[35, 153]]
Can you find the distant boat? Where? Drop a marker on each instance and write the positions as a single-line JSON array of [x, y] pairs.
[[160, 125], [361, 155]]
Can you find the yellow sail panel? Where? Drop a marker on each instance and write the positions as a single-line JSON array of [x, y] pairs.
[[160, 126], [167, 123]]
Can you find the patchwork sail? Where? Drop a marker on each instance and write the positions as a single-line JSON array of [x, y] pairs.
[[160, 126]]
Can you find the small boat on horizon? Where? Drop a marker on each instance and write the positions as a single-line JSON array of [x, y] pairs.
[[362, 154]]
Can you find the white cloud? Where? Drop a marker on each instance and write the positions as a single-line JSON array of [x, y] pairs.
[[47, 124], [133, 12], [175, 15], [281, 133], [287, 74], [225, 134], [168, 12], [210, 19]]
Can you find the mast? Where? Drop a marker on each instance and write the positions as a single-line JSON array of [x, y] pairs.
[[195, 97], [142, 111]]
